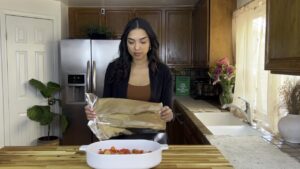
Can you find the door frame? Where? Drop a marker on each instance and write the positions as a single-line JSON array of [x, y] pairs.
[[4, 105]]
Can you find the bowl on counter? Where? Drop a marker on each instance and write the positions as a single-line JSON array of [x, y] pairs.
[[151, 158]]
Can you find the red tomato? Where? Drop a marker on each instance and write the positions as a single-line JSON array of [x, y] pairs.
[[113, 150]]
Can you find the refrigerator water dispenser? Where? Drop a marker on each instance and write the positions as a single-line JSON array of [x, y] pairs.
[[75, 88]]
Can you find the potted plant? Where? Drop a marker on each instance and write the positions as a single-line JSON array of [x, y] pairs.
[[43, 113], [98, 32], [289, 125]]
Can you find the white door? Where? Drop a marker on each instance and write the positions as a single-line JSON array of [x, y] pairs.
[[30, 54]]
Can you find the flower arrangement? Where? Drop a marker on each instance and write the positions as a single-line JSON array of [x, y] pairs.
[[224, 74]]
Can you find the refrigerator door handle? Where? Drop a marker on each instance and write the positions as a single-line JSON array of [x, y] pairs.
[[94, 77], [88, 75]]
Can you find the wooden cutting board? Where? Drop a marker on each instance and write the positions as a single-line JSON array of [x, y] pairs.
[[65, 157]]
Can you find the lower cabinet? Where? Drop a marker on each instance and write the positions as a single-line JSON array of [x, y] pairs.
[[182, 130]]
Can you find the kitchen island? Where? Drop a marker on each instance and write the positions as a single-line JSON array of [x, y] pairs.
[[58, 157]]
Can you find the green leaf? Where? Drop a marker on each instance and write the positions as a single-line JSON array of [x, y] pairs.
[[39, 85], [47, 116], [63, 123], [35, 113], [52, 88], [46, 93], [41, 114]]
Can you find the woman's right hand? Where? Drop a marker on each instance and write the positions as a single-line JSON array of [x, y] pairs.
[[90, 113]]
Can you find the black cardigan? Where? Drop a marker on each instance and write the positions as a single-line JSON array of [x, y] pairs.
[[161, 84]]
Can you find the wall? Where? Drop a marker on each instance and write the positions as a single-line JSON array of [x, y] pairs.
[[240, 3], [1, 94], [221, 12], [45, 8], [64, 19]]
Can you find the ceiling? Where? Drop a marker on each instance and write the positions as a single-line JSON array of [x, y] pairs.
[[129, 3]]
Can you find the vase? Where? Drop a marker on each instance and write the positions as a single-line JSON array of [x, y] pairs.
[[289, 128], [226, 96]]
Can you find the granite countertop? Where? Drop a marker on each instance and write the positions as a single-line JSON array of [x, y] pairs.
[[243, 152], [252, 152], [196, 105]]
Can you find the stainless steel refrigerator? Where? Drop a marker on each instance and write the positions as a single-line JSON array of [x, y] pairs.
[[82, 69]]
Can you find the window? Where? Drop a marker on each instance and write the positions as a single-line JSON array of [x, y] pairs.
[[251, 78], [253, 83]]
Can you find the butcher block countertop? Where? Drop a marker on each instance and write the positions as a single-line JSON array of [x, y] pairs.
[[57, 157]]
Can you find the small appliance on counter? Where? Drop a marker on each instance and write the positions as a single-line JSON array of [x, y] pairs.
[[202, 88]]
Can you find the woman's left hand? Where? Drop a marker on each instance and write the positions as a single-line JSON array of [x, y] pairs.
[[166, 114]]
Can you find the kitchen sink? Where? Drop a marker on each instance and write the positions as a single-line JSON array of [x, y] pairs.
[[225, 123], [218, 119]]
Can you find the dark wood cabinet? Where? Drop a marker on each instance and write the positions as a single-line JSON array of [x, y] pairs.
[[179, 38], [80, 19], [173, 27], [189, 37], [201, 34], [283, 37], [182, 130], [212, 24], [116, 20], [154, 17]]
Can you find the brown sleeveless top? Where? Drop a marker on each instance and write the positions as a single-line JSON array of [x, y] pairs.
[[142, 93]]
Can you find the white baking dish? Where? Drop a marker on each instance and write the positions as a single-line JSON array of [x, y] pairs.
[[124, 161]]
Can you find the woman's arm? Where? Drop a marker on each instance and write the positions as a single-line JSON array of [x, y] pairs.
[[167, 89], [167, 93]]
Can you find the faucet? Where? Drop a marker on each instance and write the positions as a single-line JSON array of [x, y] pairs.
[[246, 112]]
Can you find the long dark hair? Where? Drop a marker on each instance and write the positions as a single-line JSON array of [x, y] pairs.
[[122, 64]]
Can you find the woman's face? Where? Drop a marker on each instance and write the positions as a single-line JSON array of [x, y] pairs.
[[138, 44]]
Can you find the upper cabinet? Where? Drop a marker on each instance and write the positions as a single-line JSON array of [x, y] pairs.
[[283, 37], [179, 38], [212, 22], [116, 20], [188, 37], [80, 19], [154, 17], [201, 34], [173, 27]]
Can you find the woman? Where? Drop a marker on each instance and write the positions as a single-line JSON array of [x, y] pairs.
[[138, 73]]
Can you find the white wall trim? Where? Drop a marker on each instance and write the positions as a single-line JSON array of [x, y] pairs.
[[1, 89], [4, 76], [4, 115]]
